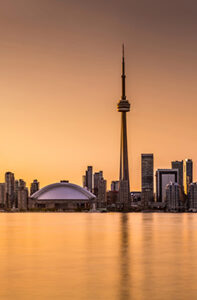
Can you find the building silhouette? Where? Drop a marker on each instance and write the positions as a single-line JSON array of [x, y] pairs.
[[193, 196], [164, 177], [97, 177], [123, 107], [136, 196], [87, 179], [84, 181], [188, 174], [174, 196], [9, 196], [16, 185], [22, 197], [102, 193], [2, 195], [179, 166], [34, 186], [147, 178], [100, 189], [115, 186]]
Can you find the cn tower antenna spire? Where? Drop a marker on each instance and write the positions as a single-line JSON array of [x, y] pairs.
[[123, 74]]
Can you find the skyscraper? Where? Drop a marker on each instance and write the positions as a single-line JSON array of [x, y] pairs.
[[9, 190], [16, 183], [102, 195], [123, 106], [179, 166], [97, 177], [174, 196], [2, 193], [193, 196], [22, 196], [87, 179], [100, 185], [188, 174], [164, 177], [34, 186], [147, 178]]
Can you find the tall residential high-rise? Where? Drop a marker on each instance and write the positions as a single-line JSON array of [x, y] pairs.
[[87, 179], [100, 186], [188, 174], [22, 196], [193, 196], [16, 193], [2, 193], [102, 193], [179, 166], [123, 106], [147, 178], [34, 186], [174, 196], [9, 190], [164, 177], [97, 177]]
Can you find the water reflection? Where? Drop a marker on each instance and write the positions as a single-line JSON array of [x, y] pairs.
[[98, 256], [124, 259]]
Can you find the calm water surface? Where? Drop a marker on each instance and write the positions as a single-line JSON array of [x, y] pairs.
[[98, 256]]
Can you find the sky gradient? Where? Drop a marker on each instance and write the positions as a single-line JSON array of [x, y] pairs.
[[60, 83]]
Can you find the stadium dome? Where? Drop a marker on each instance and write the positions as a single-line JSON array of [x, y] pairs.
[[62, 195], [63, 191]]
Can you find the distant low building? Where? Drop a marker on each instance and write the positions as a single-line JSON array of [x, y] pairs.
[[193, 196], [157, 205], [136, 196], [112, 198], [115, 185]]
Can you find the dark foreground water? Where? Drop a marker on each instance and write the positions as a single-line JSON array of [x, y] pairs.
[[98, 256]]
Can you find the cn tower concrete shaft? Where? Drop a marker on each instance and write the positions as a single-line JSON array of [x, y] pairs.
[[124, 166]]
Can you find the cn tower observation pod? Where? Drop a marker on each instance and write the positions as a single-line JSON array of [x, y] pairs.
[[62, 196]]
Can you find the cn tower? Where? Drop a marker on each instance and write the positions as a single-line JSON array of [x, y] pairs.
[[123, 107]]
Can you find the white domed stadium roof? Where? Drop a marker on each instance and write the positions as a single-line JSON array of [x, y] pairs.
[[63, 191]]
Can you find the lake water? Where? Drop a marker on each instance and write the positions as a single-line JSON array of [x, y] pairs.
[[98, 256]]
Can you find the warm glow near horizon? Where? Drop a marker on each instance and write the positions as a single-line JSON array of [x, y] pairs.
[[60, 83]]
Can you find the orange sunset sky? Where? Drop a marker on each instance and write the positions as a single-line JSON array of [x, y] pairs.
[[60, 66]]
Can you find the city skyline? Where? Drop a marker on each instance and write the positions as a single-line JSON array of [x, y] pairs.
[[171, 193], [60, 82]]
